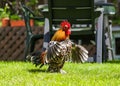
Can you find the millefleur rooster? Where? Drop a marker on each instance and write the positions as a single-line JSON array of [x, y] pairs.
[[60, 49]]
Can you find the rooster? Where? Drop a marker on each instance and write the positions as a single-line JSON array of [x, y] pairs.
[[60, 48]]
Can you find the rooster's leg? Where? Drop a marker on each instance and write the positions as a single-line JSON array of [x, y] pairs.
[[56, 67]]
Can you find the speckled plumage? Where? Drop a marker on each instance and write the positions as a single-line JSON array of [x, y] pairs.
[[59, 52]]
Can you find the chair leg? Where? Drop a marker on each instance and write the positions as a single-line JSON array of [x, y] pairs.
[[32, 45], [26, 50], [46, 34], [99, 39], [27, 46]]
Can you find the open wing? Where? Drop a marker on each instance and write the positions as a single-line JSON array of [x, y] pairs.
[[60, 50], [79, 53]]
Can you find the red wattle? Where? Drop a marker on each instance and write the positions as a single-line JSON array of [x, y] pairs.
[[68, 32]]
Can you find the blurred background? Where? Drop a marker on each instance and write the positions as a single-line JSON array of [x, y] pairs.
[[12, 36]]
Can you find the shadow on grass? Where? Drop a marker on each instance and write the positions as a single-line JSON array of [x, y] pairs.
[[36, 70], [114, 62]]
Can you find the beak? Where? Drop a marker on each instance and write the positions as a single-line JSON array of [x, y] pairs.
[[69, 31]]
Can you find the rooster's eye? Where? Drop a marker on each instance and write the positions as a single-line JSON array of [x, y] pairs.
[[65, 27]]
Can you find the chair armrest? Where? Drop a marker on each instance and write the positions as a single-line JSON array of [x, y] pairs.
[[26, 9], [98, 12]]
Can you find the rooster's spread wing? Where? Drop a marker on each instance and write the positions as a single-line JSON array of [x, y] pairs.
[[79, 53], [66, 48]]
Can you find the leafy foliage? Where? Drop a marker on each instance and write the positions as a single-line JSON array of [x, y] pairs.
[[15, 8], [4, 12]]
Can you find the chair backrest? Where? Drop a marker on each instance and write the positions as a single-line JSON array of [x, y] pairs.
[[80, 13]]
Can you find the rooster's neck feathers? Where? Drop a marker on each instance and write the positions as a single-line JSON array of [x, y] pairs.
[[60, 35]]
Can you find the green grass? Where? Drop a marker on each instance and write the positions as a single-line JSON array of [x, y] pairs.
[[88, 74]]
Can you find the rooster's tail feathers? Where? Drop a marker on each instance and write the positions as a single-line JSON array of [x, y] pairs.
[[37, 59]]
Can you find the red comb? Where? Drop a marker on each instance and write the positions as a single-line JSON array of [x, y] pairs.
[[65, 23]]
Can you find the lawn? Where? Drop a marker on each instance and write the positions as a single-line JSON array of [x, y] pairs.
[[88, 74]]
